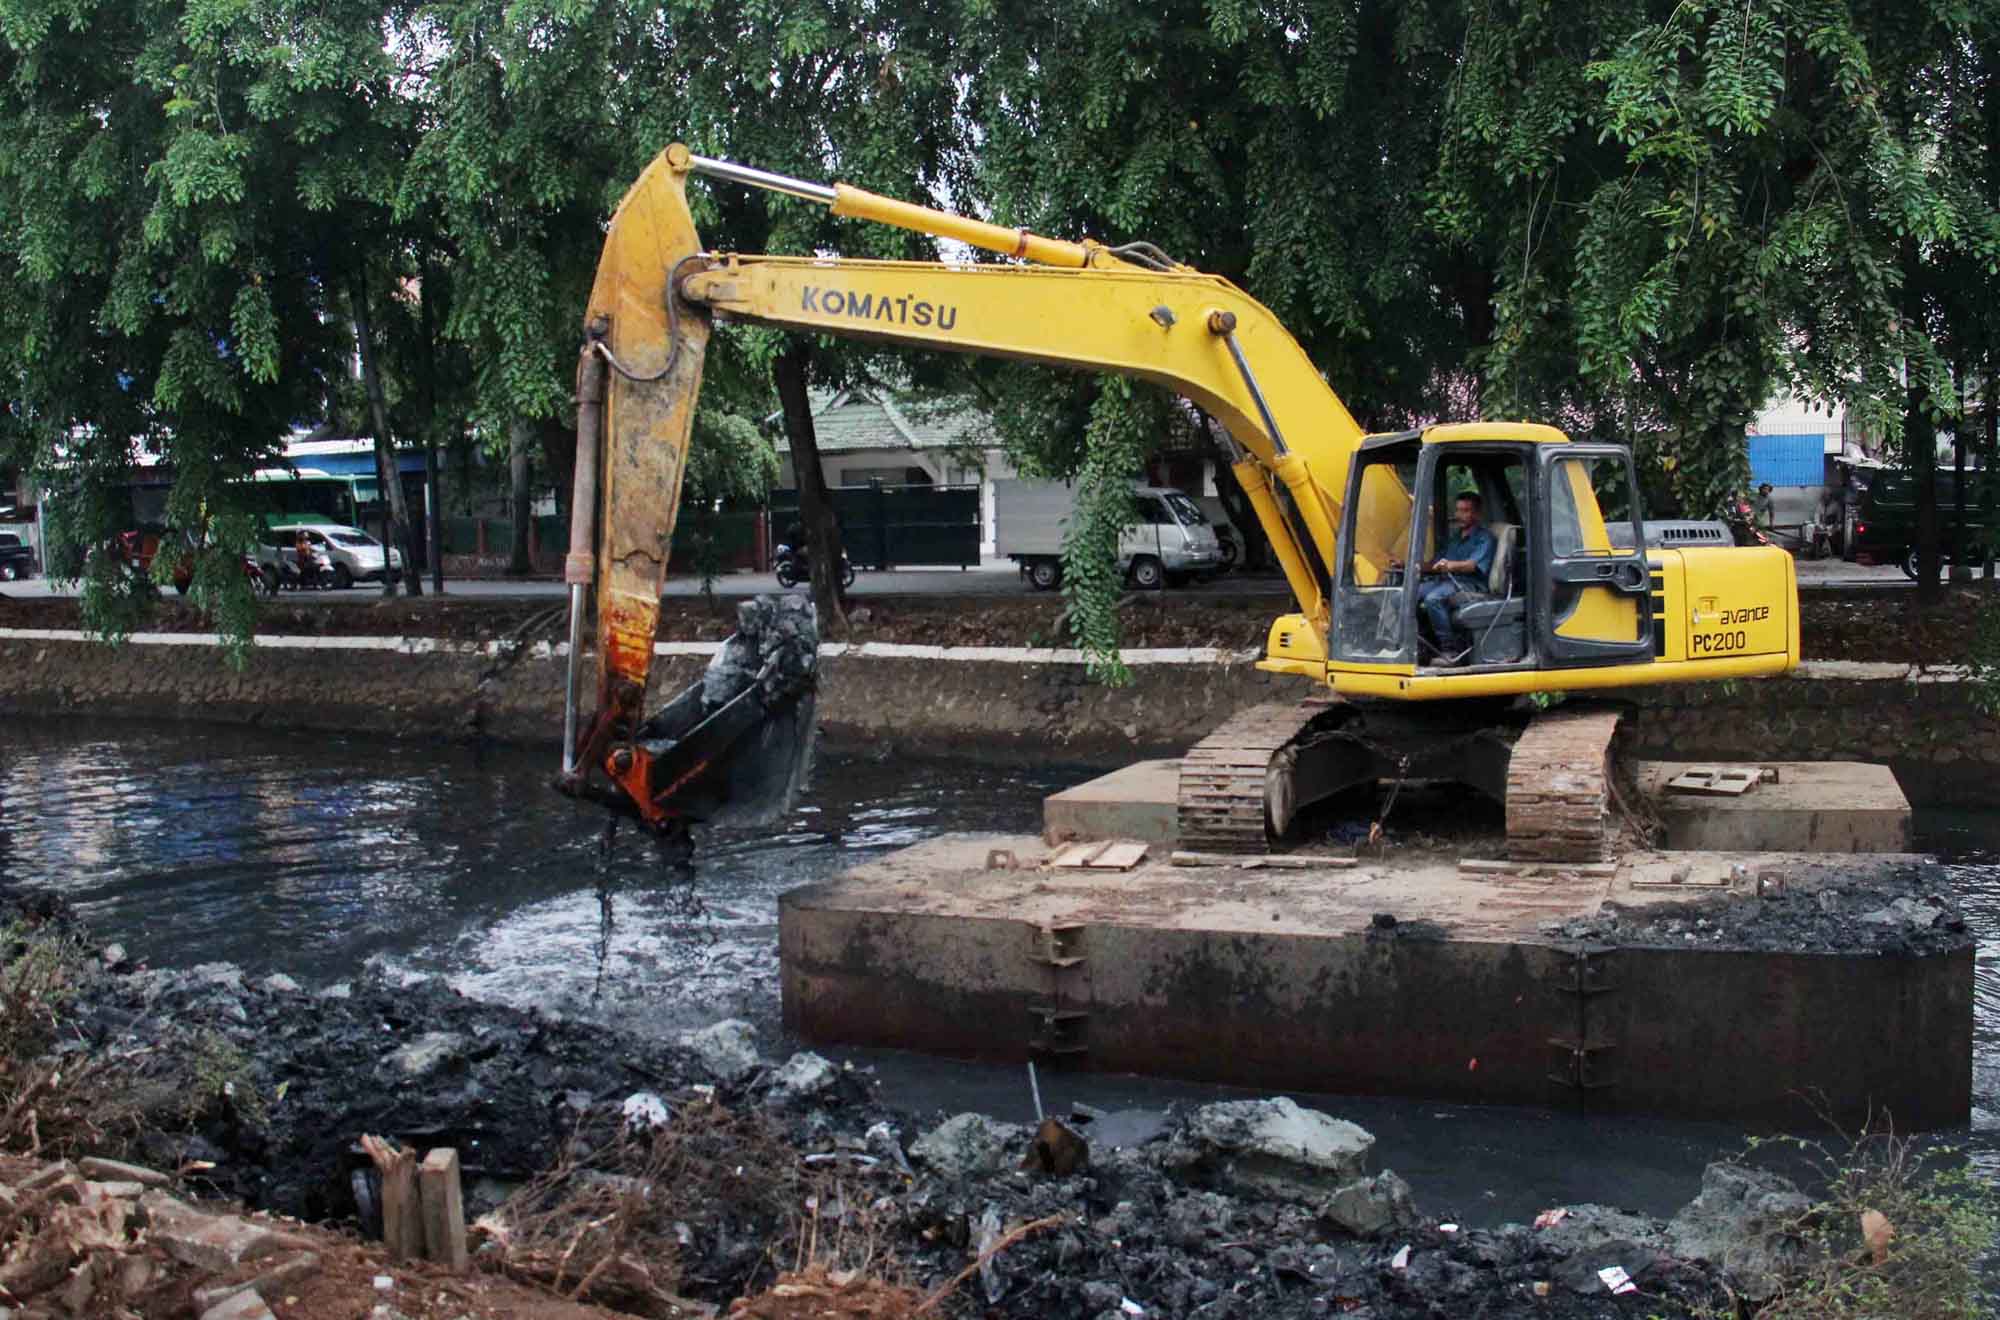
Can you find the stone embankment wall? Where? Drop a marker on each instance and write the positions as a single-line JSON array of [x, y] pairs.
[[1032, 705]]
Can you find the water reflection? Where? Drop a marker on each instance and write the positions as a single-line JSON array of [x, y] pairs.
[[316, 854]]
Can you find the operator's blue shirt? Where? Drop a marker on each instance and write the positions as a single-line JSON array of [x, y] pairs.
[[1476, 545]]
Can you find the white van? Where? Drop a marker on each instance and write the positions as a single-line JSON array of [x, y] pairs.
[[352, 555], [1170, 543]]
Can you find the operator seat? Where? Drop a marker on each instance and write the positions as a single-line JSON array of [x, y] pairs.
[[1495, 619]]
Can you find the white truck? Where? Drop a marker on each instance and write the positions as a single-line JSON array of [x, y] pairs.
[[1170, 543]]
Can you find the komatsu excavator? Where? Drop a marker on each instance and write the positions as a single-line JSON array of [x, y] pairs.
[[1583, 594]]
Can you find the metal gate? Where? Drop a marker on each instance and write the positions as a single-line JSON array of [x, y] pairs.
[[884, 527]]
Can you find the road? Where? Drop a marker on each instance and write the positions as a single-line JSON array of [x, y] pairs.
[[993, 578]]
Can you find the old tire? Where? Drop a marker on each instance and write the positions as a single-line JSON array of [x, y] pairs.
[[1045, 574], [342, 577], [1148, 573]]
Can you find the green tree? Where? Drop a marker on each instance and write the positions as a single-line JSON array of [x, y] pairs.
[[162, 297], [511, 178], [858, 90], [1691, 205], [1274, 146]]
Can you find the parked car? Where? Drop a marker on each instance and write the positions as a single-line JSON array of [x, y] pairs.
[[1885, 521], [137, 550], [1171, 543], [352, 555], [17, 559]]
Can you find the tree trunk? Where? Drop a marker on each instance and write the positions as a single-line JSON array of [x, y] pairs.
[[1920, 435], [400, 532], [1989, 473], [815, 509], [1958, 557], [520, 438], [1920, 444], [434, 524], [434, 541]]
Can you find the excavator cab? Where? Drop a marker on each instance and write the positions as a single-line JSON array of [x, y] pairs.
[[1568, 585]]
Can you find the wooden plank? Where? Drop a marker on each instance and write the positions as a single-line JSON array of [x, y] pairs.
[[443, 1209], [1491, 866], [1077, 854], [1254, 861], [1722, 883], [402, 1219], [1119, 857]]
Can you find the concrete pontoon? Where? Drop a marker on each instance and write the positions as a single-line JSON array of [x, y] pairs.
[[1746, 985]]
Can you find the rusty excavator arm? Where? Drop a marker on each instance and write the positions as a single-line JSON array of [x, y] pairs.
[[736, 745]]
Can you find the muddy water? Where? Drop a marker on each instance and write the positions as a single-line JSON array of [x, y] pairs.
[[318, 855]]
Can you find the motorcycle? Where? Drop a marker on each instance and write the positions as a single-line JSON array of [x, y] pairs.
[[1741, 516], [795, 566]]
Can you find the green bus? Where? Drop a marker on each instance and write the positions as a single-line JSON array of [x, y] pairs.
[[285, 497]]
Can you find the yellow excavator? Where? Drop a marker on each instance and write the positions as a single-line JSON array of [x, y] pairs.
[[1582, 593]]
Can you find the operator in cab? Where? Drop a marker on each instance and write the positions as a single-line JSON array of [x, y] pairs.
[[1464, 566]]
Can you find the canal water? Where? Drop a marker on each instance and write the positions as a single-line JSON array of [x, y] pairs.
[[319, 855]]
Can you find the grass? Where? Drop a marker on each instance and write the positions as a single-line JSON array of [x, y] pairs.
[[1901, 1231]]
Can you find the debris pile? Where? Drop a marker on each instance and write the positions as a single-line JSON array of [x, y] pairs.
[[688, 1179], [103, 1238]]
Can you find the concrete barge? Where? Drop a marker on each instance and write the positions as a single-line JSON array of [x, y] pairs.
[[1741, 985]]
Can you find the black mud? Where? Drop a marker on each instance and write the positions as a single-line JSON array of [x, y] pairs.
[[1899, 908], [301, 1073]]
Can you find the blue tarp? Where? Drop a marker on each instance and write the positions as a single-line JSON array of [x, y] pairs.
[[1788, 460]]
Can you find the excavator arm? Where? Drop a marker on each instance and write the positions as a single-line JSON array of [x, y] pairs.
[[1082, 305], [734, 746]]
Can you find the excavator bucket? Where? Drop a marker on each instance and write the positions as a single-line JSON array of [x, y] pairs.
[[736, 745], [735, 748]]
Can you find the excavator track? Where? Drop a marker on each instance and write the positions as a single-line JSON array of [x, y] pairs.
[[1236, 789], [1559, 787], [1224, 776]]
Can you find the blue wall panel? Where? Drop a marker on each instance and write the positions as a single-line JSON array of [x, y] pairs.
[[1788, 460]]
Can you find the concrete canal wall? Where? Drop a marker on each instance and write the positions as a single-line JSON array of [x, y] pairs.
[[1035, 705]]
